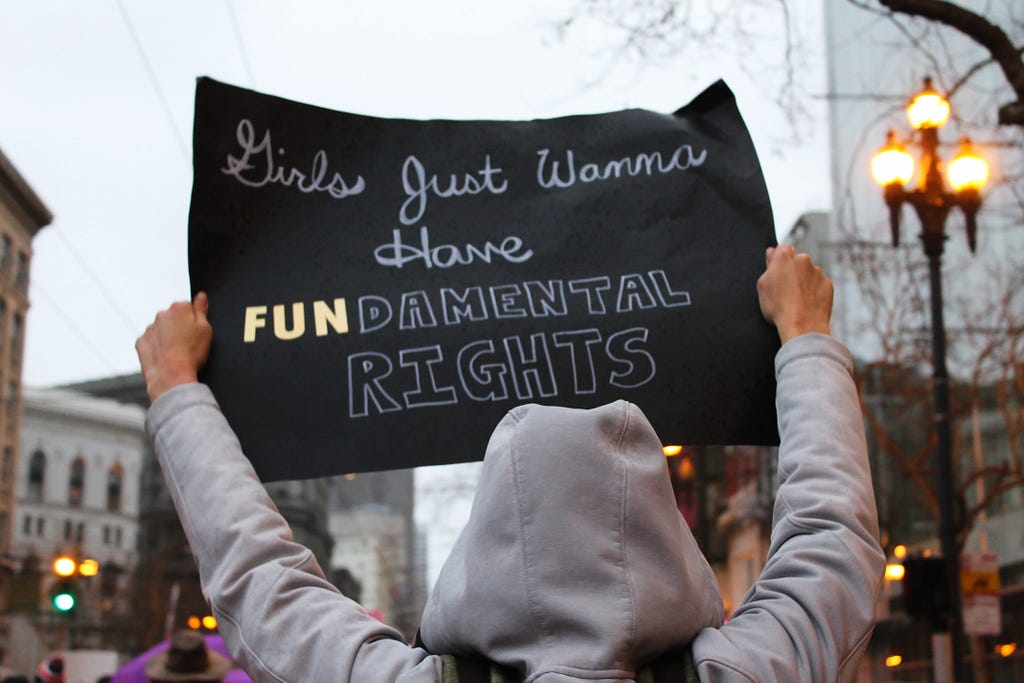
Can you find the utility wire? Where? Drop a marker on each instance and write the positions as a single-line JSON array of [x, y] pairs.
[[69, 321], [241, 43], [186, 155], [130, 325]]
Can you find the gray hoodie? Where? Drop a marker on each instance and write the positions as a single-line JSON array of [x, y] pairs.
[[575, 564]]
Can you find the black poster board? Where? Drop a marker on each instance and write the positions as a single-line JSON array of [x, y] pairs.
[[383, 290]]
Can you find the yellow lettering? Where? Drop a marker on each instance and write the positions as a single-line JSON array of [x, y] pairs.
[[324, 314], [281, 330], [253, 321]]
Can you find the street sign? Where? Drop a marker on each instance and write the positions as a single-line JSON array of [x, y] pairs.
[[979, 584]]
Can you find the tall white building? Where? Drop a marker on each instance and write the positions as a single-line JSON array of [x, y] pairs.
[[370, 541], [77, 494], [78, 484]]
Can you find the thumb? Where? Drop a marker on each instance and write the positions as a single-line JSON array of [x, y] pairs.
[[768, 254], [201, 306]]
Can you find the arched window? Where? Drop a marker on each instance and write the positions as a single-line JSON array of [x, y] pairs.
[[36, 475], [115, 476], [16, 325], [76, 482]]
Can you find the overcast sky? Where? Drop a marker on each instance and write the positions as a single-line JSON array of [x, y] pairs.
[[96, 113]]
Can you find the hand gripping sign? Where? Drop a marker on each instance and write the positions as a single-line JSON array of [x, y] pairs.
[[383, 290]]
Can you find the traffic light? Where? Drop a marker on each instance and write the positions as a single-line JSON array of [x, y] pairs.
[[64, 595], [925, 593]]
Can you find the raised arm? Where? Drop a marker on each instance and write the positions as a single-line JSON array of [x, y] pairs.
[[280, 617], [810, 614]]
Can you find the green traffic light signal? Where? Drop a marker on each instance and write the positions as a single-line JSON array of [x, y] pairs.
[[64, 596], [64, 602]]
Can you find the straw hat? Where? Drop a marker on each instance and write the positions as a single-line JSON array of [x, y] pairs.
[[188, 659]]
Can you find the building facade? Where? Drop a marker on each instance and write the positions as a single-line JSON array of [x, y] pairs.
[[165, 579], [78, 489], [372, 527], [22, 215], [77, 495]]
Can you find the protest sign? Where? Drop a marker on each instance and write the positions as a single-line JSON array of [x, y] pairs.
[[382, 291]]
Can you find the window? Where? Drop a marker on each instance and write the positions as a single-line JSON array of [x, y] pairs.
[[36, 475], [115, 476], [5, 254], [106, 534], [117, 537], [21, 272], [26, 525], [76, 482], [67, 529], [12, 399], [40, 527], [16, 329], [80, 532]]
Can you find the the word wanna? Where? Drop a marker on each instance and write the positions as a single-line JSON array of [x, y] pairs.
[[256, 167], [419, 309], [552, 173]]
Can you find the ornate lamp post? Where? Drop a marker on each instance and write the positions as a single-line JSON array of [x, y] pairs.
[[892, 168]]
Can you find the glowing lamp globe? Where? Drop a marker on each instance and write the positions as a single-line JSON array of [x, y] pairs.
[[928, 109], [967, 170], [892, 163]]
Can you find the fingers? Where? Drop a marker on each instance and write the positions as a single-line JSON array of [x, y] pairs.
[[781, 253], [176, 345], [794, 294], [201, 306]]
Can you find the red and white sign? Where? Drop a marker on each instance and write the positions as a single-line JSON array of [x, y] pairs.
[[979, 585]]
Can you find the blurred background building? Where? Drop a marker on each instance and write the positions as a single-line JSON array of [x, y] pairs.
[[78, 496], [22, 215]]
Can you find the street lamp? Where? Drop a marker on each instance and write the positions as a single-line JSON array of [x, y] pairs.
[[892, 168]]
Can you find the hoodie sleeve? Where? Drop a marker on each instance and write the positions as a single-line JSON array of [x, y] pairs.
[[809, 616], [282, 620]]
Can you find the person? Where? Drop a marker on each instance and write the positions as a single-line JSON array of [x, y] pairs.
[[574, 564], [51, 670], [187, 659]]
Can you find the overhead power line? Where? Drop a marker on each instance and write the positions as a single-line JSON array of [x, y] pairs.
[[70, 322], [130, 325], [241, 43], [151, 74]]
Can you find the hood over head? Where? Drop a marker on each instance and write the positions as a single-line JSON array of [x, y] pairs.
[[575, 562]]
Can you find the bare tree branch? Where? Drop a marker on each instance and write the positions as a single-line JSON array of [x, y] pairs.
[[980, 30]]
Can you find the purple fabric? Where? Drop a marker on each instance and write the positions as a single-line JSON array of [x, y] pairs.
[[135, 670]]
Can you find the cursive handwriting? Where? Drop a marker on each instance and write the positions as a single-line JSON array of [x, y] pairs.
[[397, 253], [256, 167], [417, 186], [548, 175]]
